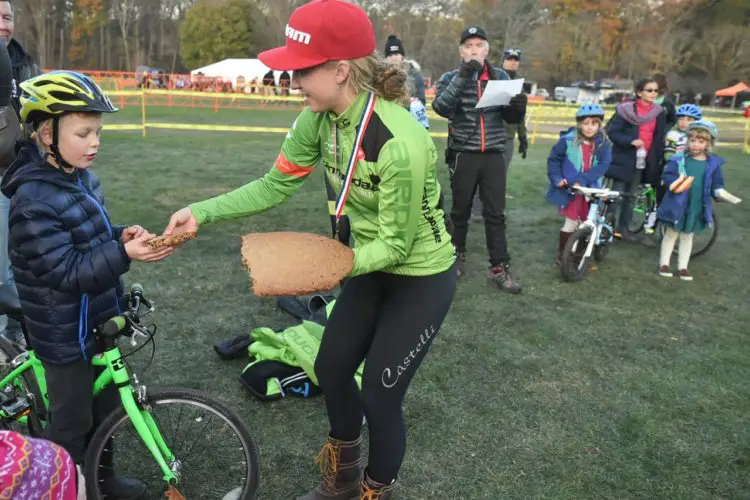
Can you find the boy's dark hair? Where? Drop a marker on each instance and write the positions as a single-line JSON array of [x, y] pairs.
[[661, 81]]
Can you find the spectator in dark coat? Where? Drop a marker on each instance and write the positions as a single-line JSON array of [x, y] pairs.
[[394, 51], [665, 100], [17, 69], [636, 124], [475, 154]]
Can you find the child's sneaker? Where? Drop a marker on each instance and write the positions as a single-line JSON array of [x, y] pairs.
[[664, 272], [650, 226], [685, 275]]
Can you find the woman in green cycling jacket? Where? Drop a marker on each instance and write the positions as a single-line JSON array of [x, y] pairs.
[[382, 162]]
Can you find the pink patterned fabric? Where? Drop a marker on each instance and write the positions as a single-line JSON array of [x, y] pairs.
[[34, 468]]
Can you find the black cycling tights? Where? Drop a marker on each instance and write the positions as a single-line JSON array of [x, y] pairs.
[[389, 322]]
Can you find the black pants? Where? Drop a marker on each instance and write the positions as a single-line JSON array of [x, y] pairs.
[[389, 322], [74, 414], [623, 208], [487, 172]]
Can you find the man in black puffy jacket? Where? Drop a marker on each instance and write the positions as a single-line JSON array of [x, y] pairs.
[[16, 66], [476, 143]]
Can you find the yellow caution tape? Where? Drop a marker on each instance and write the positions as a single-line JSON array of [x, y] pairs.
[[283, 130]]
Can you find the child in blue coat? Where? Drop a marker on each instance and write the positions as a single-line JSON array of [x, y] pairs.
[[68, 258], [693, 178], [581, 157]]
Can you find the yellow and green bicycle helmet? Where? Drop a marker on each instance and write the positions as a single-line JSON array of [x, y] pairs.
[[56, 93]]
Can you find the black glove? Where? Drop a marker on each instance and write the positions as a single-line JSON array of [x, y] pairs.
[[468, 68], [523, 146], [518, 103], [6, 75]]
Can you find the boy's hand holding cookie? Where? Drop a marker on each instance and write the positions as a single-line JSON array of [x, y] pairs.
[[139, 249]]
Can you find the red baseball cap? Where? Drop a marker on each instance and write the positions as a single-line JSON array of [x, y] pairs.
[[321, 31]]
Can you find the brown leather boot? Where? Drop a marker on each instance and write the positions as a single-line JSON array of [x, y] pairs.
[[372, 490], [340, 464]]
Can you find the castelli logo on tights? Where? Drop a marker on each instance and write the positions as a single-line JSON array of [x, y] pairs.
[[390, 377], [297, 36]]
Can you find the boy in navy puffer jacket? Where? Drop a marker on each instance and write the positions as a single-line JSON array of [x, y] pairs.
[[67, 258]]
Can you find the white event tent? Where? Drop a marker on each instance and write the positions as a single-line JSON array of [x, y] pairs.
[[230, 69]]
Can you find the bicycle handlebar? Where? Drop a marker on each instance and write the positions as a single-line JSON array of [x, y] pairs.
[[129, 319]]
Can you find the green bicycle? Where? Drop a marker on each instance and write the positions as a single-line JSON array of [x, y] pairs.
[[151, 429], [645, 202]]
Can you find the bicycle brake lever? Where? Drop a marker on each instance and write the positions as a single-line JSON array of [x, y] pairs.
[[137, 332]]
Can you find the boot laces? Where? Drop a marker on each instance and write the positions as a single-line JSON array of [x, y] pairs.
[[370, 493], [327, 459], [373, 492]]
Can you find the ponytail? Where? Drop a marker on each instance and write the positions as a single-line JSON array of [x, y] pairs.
[[375, 74]]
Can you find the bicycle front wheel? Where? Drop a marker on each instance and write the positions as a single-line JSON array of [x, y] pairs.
[[215, 457], [574, 264]]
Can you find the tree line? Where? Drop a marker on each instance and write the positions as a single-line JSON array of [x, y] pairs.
[[702, 44]]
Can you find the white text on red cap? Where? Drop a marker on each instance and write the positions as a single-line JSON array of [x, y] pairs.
[[297, 36]]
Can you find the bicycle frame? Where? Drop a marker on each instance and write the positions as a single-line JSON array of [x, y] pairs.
[[115, 372], [593, 220], [649, 193], [28, 361]]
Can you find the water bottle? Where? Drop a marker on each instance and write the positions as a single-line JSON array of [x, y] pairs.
[[419, 112], [640, 158]]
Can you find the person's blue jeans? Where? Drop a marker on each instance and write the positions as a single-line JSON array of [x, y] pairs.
[[8, 328]]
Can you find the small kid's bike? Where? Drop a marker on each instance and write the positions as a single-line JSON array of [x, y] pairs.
[[593, 236], [181, 442], [644, 203]]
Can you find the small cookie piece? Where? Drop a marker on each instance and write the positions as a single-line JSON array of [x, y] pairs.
[[172, 240], [291, 263]]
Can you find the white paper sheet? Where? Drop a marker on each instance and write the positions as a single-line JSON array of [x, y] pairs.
[[499, 92]]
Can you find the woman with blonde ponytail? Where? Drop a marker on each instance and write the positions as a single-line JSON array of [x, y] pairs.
[[381, 162]]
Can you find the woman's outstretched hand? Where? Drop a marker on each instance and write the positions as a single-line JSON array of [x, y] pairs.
[[182, 221]]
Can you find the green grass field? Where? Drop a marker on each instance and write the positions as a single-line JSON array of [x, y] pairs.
[[623, 386]]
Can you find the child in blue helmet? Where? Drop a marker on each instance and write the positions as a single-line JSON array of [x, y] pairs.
[[675, 142], [581, 157], [677, 138], [692, 178]]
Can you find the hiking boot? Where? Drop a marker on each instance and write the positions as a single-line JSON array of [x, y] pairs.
[[340, 464], [372, 490], [664, 272], [123, 488], [685, 275], [460, 263], [501, 275]]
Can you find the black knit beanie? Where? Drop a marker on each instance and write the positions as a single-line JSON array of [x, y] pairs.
[[394, 46]]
